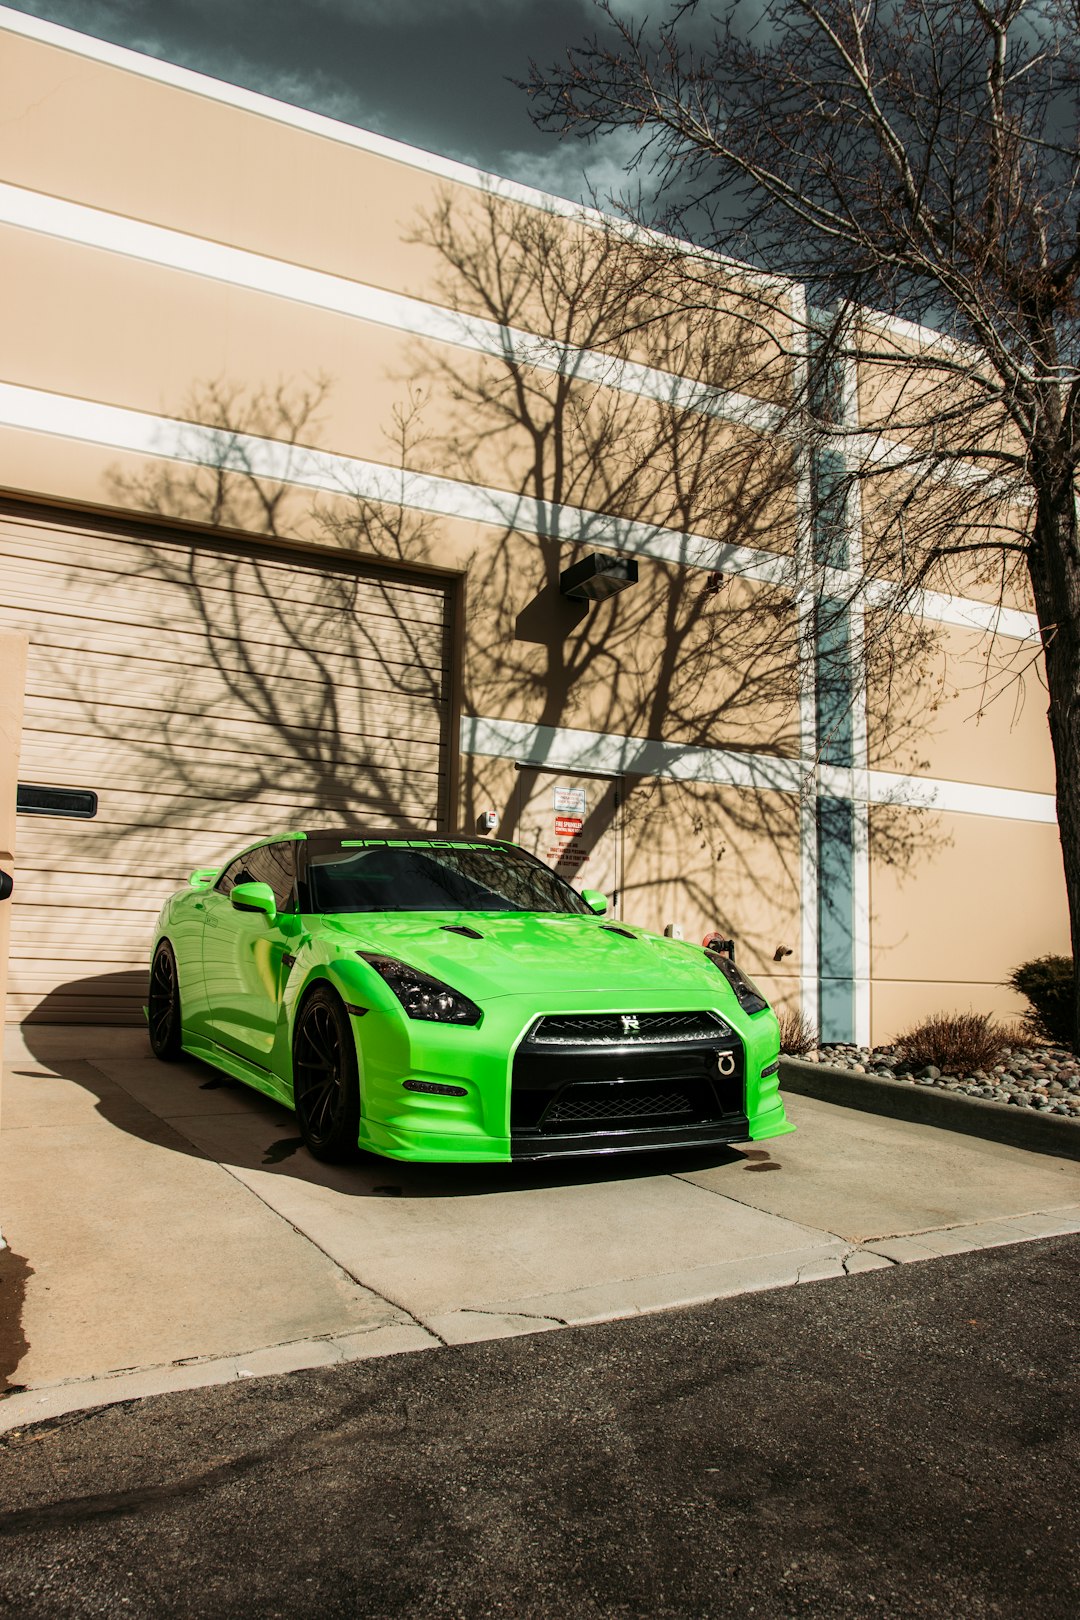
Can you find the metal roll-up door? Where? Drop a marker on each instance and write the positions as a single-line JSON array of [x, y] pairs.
[[205, 694]]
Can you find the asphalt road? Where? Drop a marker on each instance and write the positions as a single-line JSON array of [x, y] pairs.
[[901, 1443]]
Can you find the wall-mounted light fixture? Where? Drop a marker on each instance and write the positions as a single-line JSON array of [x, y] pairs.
[[597, 577]]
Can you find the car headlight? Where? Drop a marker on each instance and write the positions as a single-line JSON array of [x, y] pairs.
[[747, 994], [421, 995]]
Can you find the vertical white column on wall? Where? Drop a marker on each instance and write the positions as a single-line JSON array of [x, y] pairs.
[[860, 757], [804, 605]]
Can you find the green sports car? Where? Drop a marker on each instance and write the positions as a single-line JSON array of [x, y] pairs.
[[454, 999]]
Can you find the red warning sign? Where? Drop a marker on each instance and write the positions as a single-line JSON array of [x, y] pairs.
[[567, 826]]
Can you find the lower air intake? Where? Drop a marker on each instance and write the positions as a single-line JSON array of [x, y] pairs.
[[581, 1105]]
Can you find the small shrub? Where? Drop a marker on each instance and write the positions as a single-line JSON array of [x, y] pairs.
[[797, 1034], [1047, 983], [955, 1043], [1019, 1036]]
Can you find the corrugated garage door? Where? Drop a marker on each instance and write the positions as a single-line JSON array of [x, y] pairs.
[[206, 695]]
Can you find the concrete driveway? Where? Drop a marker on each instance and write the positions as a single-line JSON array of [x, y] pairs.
[[166, 1228]]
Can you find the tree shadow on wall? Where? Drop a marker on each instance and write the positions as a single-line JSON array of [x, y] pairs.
[[309, 688], [263, 686], [624, 412], [273, 688]]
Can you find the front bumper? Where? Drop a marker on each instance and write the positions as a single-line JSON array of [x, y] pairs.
[[603, 1097], [506, 1112]]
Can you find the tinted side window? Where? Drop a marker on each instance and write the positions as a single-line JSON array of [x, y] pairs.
[[274, 864], [236, 872]]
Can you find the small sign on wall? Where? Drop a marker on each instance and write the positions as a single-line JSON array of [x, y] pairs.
[[568, 826], [569, 801]]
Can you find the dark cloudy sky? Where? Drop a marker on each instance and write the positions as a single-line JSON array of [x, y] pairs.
[[431, 72]]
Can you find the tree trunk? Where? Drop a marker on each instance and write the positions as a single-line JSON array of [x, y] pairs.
[[1055, 577]]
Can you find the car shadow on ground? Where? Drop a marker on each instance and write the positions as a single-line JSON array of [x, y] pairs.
[[190, 1107]]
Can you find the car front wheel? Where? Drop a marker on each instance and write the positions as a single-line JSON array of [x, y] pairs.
[[163, 1005], [326, 1085]]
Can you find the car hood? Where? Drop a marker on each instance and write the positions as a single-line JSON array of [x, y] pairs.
[[525, 953]]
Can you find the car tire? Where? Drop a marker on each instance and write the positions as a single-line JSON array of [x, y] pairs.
[[163, 1005], [326, 1080]]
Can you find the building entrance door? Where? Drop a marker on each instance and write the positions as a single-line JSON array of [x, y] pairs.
[[572, 823]]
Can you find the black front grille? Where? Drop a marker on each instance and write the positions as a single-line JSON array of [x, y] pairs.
[[573, 1094], [605, 1029], [579, 1105]]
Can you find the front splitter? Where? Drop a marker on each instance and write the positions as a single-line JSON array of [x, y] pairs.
[[717, 1133]]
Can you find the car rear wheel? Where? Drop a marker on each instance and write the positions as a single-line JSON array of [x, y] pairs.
[[163, 1005], [326, 1085]]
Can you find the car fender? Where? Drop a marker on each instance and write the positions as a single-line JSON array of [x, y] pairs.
[[354, 981]]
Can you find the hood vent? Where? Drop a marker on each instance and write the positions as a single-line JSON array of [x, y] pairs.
[[460, 928], [610, 928]]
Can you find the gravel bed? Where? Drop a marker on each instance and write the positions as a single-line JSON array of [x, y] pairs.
[[1046, 1078]]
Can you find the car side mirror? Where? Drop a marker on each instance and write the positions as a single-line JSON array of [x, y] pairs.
[[595, 901], [254, 897], [202, 877]]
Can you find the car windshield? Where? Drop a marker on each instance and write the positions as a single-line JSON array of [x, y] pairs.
[[455, 877]]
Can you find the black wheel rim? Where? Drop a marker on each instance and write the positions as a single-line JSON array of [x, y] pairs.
[[162, 998], [318, 1073]]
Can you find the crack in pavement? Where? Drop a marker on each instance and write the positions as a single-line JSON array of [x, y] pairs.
[[228, 1169], [860, 1249], [526, 1316], [745, 1203]]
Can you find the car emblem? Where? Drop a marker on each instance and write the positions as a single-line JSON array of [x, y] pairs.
[[630, 1024]]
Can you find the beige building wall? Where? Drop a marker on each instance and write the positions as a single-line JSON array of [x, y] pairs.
[[498, 469], [315, 199], [158, 340], [973, 709], [957, 901]]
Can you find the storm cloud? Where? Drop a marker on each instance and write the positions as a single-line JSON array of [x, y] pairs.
[[436, 75]]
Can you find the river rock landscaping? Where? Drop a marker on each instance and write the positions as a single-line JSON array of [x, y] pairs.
[[1046, 1078]]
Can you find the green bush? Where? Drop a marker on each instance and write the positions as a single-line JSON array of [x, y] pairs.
[[1047, 983], [955, 1043]]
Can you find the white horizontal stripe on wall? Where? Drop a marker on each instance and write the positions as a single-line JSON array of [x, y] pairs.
[[964, 612], [362, 140], [147, 434], [237, 267], [312, 123], [968, 798], [144, 433], [566, 749], [176, 250]]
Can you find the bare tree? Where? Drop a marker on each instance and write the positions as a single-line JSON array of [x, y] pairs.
[[918, 158]]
